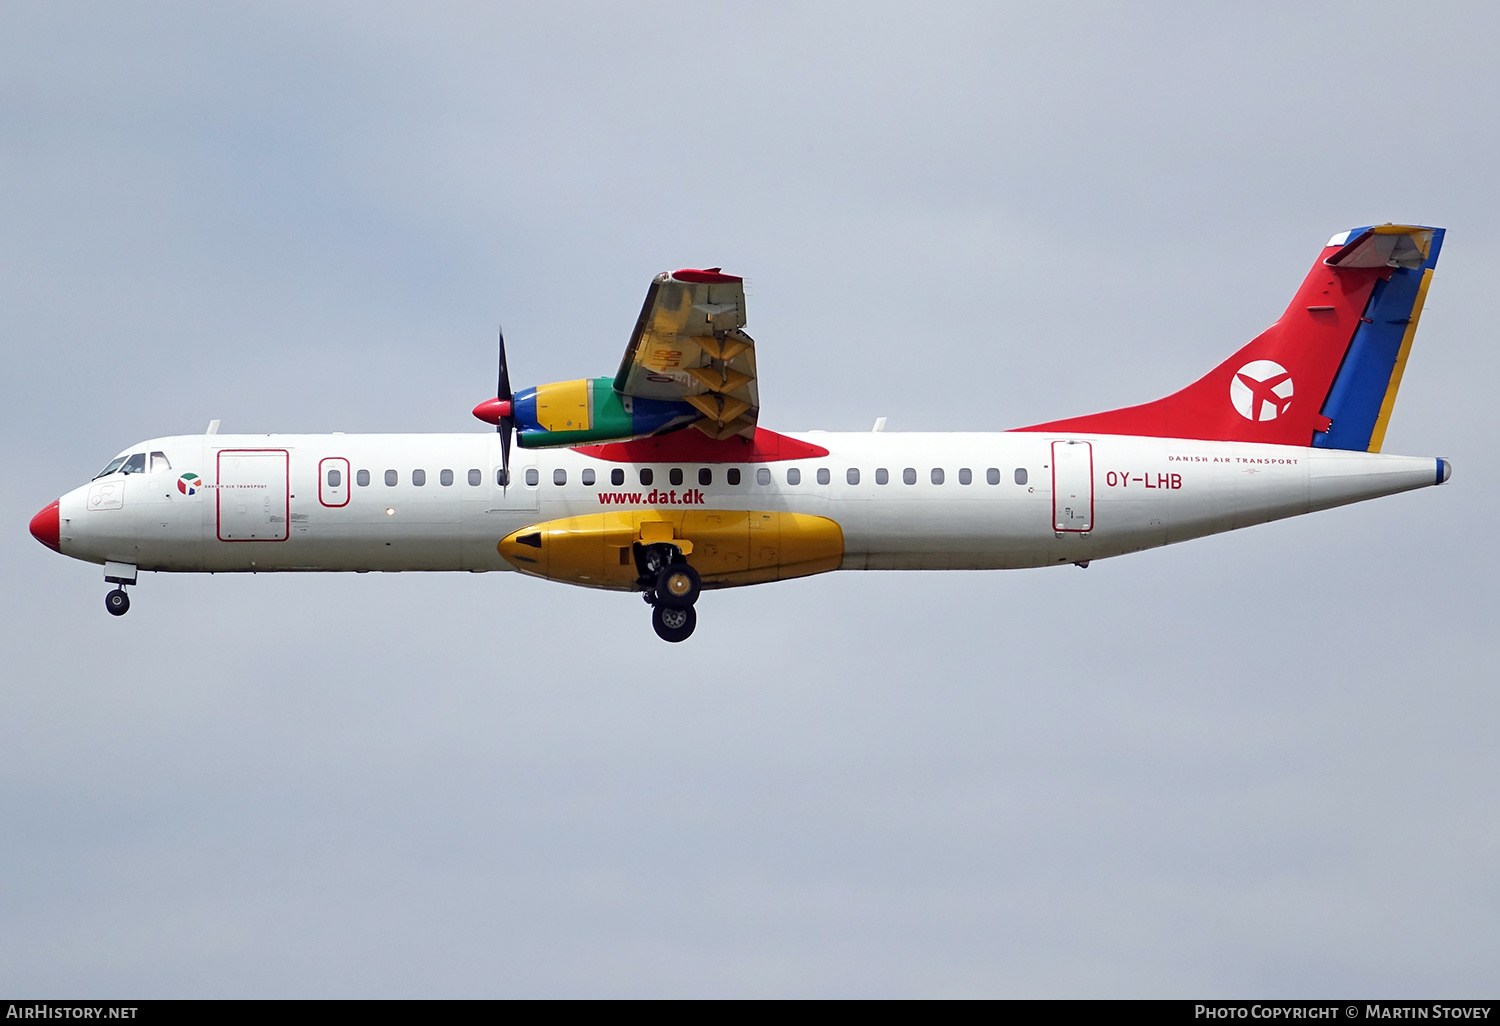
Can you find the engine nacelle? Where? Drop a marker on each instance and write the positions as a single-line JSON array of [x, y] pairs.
[[590, 410], [726, 547]]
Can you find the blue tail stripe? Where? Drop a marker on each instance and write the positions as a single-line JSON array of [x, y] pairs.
[[1359, 388]]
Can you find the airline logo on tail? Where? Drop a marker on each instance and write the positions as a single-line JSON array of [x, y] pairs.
[[1261, 390]]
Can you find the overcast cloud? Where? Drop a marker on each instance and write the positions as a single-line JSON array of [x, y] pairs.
[[1263, 763]]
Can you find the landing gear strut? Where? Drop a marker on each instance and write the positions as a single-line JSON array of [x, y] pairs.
[[671, 587], [117, 602]]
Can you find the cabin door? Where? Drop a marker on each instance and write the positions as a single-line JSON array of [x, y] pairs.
[[253, 495], [1072, 487]]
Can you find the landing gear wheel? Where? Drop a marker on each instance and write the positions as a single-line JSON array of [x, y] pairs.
[[677, 586], [117, 602], [674, 624]]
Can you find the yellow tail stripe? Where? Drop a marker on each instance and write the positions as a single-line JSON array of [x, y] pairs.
[[1377, 437]]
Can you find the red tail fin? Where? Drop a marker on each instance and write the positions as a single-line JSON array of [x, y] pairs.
[[1274, 389]]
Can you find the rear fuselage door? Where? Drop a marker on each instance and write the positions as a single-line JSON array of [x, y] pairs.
[[1072, 487], [253, 495]]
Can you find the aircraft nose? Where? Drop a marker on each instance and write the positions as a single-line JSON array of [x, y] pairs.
[[46, 527]]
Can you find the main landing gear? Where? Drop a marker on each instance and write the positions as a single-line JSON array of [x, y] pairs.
[[671, 588], [674, 624]]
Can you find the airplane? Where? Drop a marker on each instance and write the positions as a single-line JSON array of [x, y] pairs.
[[661, 480]]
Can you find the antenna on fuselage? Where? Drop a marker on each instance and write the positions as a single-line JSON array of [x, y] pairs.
[[213, 427]]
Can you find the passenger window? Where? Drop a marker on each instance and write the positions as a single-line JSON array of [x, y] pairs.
[[335, 478], [852, 475], [675, 475], [882, 476], [362, 478], [135, 465], [823, 477], [475, 477], [909, 475], [502, 477], [559, 476], [390, 479], [159, 462], [762, 476], [793, 475], [647, 476], [419, 477], [992, 475], [937, 475], [1020, 475], [588, 477], [965, 476], [705, 476], [445, 478], [617, 477], [732, 475], [532, 477]]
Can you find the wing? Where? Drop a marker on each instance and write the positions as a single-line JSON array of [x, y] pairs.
[[689, 345]]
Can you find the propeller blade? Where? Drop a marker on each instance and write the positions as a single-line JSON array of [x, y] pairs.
[[507, 423], [502, 391]]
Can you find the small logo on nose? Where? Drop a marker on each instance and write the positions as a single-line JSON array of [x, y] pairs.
[[188, 484], [1261, 390]]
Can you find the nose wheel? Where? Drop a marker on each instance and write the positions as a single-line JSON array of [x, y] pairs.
[[117, 602]]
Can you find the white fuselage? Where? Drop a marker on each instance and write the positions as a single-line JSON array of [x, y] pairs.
[[265, 502]]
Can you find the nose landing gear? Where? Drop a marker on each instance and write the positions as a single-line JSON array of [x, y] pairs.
[[118, 574], [671, 587]]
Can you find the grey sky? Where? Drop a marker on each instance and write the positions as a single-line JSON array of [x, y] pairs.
[[1256, 764]]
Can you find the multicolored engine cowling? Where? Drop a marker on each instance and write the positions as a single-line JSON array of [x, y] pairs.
[[590, 410]]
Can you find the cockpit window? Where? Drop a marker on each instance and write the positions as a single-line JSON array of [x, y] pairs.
[[159, 462], [114, 465], [135, 465]]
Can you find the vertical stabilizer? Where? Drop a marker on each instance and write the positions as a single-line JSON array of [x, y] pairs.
[[1325, 374]]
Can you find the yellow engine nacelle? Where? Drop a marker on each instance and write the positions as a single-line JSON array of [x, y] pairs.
[[726, 547]]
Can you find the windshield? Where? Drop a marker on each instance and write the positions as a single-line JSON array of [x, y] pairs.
[[114, 465], [135, 465]]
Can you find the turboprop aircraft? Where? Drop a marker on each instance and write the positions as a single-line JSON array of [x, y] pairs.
[[660, 480]]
